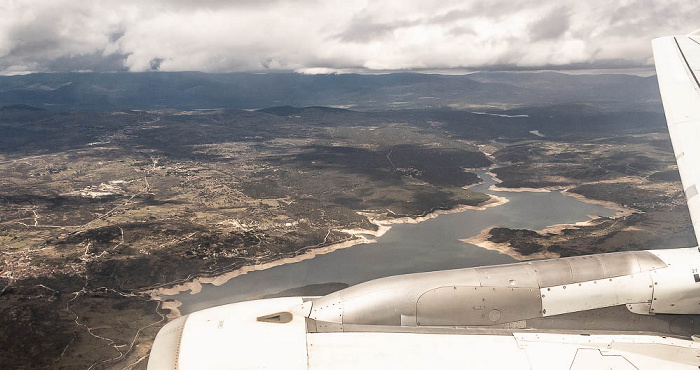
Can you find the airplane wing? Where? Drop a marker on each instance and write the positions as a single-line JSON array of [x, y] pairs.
[[677, 60]]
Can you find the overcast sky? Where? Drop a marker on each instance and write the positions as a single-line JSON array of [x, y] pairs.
[[314, 36]]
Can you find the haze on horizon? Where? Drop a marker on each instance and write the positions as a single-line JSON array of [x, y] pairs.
[[315, 36]]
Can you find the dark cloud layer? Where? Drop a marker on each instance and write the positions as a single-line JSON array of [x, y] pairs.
[[364, 30], [327, 35]]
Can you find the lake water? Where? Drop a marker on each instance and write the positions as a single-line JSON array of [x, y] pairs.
[[427, 246]]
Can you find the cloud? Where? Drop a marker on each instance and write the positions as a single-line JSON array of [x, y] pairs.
[[552, 26], [365, 30], [331, 35]]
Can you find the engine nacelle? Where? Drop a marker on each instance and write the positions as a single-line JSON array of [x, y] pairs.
[[648, 282]]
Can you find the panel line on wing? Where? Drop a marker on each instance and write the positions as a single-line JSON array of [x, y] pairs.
[[690, 69]]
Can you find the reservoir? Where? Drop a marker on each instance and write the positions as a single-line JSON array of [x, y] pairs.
[[426, 246]]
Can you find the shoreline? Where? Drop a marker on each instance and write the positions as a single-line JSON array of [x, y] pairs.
[[195, 286], [360, 237], [544, 189], [621, 210], [529, 190], [566, 190], [384, 224], [173, 306], [481, 239]]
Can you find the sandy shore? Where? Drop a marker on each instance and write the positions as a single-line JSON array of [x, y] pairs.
[[516, 190], [382, 221], [482, 241], [383, 225], [622, 211], [173, 307], [495, 178], [195, 286]]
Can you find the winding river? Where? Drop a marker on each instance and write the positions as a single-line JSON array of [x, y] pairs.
[[426, 246]]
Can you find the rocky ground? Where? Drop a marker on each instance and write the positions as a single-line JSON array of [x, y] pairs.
[[98, 209]]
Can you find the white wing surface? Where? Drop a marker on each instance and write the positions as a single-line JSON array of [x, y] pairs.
[[677, 60]]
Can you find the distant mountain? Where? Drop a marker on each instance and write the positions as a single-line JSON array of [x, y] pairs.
[[19, 107], [195, 90], [565, 88], [287, 110]]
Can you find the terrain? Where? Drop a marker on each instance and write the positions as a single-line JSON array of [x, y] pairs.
[[637, 171], [122, 202], [108, 193]]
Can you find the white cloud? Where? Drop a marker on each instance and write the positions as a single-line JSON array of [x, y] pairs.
[[326, 35]]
